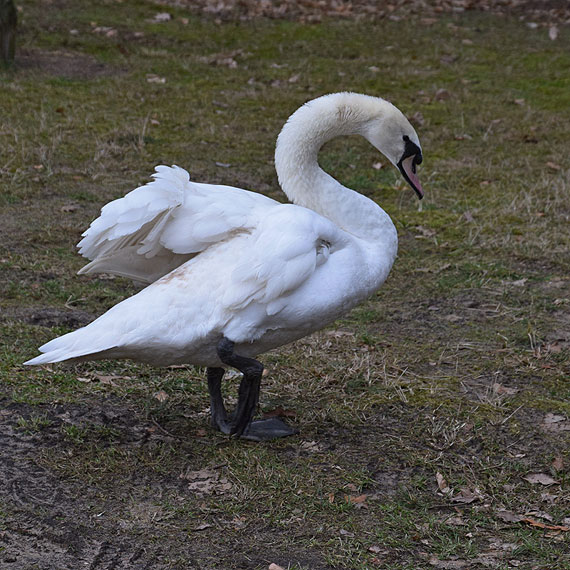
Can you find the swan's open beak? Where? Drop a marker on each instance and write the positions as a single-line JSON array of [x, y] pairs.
[[407, 167]]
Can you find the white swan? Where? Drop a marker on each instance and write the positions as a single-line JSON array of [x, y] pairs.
[[232, 273]]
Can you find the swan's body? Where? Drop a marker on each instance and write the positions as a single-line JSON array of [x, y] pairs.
[[225, 264]]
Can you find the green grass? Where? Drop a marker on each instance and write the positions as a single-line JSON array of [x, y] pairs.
[[451, 368]]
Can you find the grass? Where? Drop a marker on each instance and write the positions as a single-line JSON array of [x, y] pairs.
[[453, 367]]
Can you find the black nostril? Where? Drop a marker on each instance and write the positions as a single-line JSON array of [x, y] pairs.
[[418, 159]]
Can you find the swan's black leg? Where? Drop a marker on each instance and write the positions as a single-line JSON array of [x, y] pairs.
[[248, 397], [218, 411]]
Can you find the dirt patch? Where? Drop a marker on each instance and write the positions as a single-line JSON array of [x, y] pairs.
[[59, 521], [47, 317], [66, 64]]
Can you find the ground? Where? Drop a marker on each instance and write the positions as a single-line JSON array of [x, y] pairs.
[[433, 420]]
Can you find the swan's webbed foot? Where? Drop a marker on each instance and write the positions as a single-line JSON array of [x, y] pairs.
[[241, 424], [268, 429]]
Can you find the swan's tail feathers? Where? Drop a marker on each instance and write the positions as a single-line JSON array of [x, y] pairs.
[[71, 346]]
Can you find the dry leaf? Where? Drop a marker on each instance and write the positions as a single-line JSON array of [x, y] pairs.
[[206, 482], [509, 516], [162, 17], [442, 95], [417, 119], [558, 463], [553, 418], [161, 396], [355, 500], [541, 478], [466, 496], [202, 526], [274, 566], [153, 78], [500, 389], [539, 524], [279, 412], [553, 165], [424, 232], [375, 549], [442, 484]]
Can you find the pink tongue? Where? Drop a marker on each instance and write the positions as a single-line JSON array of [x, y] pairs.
[[416, 182], [408, 165]]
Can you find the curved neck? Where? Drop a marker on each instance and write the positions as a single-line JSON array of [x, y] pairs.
[[306, 184]]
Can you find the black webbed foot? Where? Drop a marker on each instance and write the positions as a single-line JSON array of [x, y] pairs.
[[268, 429], [240, 423]]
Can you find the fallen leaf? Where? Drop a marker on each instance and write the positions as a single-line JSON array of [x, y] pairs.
[[553, 32], [454, 521], [558, 463], [466, 496], [202, 526], [442, 484], [553, 165], [375, 549], [279, 412], [424, 232], [442, 95], [509, 516], [539, 524], [448, 564], [540, 515], [70, 208], [540, 478], [500, 389], [206, 482], [162, 17], [153, 78], [294, 78], [355, 500], [417, 119], [274, 566], [161, 396], [553, 418]]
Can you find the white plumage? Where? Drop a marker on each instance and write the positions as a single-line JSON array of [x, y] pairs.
[[226, 263]]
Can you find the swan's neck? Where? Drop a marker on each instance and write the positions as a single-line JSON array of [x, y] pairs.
[[306, 184]]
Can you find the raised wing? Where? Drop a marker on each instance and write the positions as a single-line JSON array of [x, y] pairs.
[[157, 227]]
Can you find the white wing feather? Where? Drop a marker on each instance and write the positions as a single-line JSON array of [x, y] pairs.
[[288, 245], [159, 226]]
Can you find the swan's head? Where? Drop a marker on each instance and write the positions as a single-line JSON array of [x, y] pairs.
[[391, 133]]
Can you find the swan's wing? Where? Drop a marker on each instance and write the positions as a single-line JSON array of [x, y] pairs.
[[157, 227], [289, 246]]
